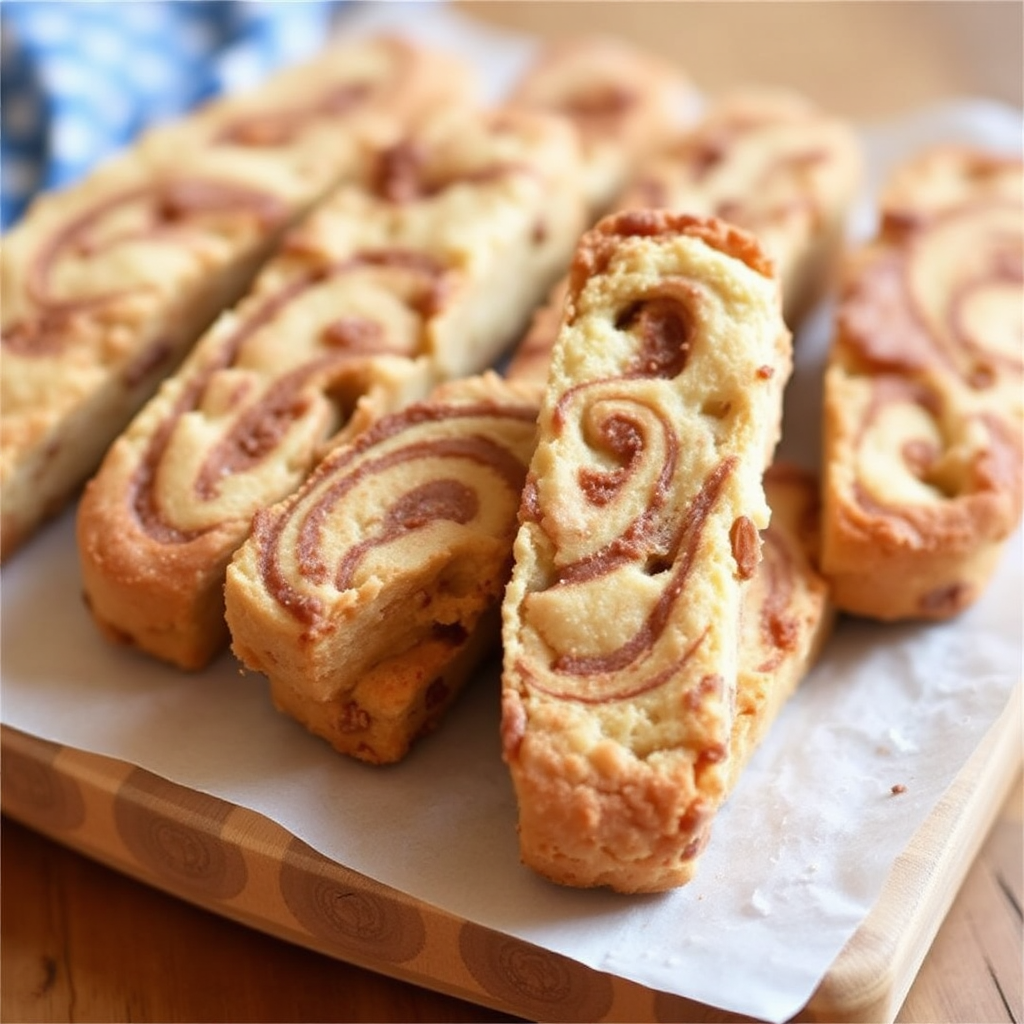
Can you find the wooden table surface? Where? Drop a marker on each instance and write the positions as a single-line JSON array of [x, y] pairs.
[[83, 943]]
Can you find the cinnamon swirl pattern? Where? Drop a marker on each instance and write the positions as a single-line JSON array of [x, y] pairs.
[[624, 104], [923, 392], [416, 273], [639, 530], [108, 284], [368, 597], [774, 164]]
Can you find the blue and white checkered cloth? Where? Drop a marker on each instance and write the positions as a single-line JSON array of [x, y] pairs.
[[78, 80]]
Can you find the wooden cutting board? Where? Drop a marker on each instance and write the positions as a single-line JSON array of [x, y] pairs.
[[243, 866]]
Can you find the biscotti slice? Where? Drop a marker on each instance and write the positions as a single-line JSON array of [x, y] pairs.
[[771, 162], [639, 531], [421, 271], [924, 392], [787, 613], [107, 284], [368, 598], [624, 102]]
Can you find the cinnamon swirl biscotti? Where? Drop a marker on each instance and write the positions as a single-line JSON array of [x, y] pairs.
[[924, 391], [368, 598], [107, 284], [639, 532], [773, 163], [421, 271]]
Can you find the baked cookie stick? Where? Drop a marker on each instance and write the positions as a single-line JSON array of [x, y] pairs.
[[368, 598], [639, 531], [924, 392], [107, 284], [423, 271]]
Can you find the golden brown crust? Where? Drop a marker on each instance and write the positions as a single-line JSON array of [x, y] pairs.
[[107, 284], [369, 596], [923, 400], [418, 272], [396, 703], [605, 239], [661, 412]]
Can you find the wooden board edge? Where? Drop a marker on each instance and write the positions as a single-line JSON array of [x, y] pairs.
[[267, 879], [241, 865], [871, 977]]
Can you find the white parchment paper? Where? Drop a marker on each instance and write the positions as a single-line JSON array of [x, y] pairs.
[[797, 858]]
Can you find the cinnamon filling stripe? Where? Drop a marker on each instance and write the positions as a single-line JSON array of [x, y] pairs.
[[281, 127], [995, 469], [446, 497], [254, 436], [166, 209], [886, 317], [778, 629], [606, 673]]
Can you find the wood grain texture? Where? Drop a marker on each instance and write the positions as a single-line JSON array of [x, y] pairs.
[[975, 961], [973, 970]]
